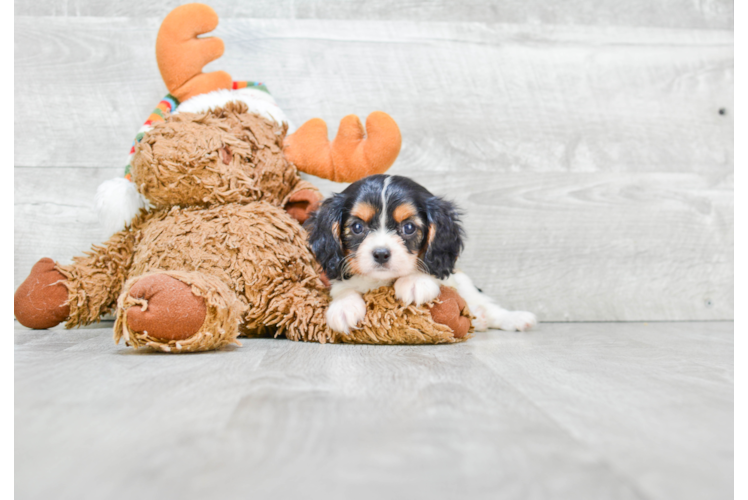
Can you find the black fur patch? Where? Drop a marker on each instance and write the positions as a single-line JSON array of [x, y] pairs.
[[324, 226], [447, 244]]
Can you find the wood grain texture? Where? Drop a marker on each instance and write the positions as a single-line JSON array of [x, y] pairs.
[[711, 14], [583, 411], [468, 97], [569, 247]]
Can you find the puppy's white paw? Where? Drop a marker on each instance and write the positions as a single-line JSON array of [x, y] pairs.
[[345, 312], [416, 289], [509, 320]]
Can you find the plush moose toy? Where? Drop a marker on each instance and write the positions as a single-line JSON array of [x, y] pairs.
[[212, 199]]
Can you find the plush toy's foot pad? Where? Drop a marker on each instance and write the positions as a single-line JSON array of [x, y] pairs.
[[450, 310], [177, 311], [169, 311], [42, 300]]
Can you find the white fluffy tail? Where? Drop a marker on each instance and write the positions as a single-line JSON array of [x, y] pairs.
[[117, 201]]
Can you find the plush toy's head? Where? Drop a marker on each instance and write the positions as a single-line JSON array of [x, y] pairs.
[[224, 155], [213, 140]]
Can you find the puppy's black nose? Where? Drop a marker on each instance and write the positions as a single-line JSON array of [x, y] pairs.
[[381, 255]]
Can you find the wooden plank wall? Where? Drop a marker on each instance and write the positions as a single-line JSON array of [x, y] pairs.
[[590, 143]]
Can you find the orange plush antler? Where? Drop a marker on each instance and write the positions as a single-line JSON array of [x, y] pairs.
[[181, 55], [352, 155]]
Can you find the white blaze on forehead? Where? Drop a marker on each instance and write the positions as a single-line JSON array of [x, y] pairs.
[[383, 215], [381, 237]]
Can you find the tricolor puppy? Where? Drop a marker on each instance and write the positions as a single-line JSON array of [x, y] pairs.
[[389, 229]]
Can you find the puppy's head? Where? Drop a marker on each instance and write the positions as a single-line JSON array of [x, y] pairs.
[[385, 227]]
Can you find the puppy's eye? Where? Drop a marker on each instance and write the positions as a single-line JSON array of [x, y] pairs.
[[409, 228], [357, 228]]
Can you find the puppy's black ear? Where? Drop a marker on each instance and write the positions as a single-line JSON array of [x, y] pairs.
[[324, 226], [444, 239]]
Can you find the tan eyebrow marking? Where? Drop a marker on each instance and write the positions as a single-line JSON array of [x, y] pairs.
[[404, 211], [363, 211]]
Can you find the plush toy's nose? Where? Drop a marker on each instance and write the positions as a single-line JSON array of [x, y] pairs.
[[381, 255]]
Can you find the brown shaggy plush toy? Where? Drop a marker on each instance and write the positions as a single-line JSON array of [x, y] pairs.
[[215, 249]]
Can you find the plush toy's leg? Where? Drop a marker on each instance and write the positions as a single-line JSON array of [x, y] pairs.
[[94, 280], [80, 292], [177, 311], [42, 300]]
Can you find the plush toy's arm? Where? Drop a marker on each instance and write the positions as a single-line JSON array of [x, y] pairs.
[[352, 155], [95, 280]]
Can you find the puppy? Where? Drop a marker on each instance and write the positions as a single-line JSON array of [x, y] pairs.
[[389, 229]]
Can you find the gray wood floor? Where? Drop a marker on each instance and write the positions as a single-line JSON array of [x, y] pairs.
[[575, 410]]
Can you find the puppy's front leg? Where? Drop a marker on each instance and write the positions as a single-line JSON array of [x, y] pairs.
[[416, 288], [345, 311]]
